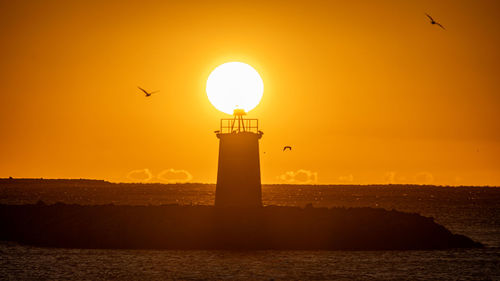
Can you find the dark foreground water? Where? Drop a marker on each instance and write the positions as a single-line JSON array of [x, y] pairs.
[[472, 211], [39, 263]]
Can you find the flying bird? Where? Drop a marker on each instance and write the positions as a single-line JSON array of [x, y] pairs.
[[435, 22], [287, 147], [148, 94]]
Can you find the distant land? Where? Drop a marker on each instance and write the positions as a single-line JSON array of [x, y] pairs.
[[46, 181]]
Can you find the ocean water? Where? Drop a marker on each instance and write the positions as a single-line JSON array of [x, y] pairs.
[[472, 211], [20, 262]]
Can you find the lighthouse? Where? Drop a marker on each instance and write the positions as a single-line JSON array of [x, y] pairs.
[[235, 88], [238, 171]]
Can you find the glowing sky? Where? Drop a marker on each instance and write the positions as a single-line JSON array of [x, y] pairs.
[[364, 91]]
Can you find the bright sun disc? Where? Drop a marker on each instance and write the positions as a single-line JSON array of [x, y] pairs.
[[234, 85]]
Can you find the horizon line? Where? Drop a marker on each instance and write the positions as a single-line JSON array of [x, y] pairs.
[[297, 184]]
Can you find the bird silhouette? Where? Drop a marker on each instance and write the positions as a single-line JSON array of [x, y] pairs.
[[148, 94], [435, 22], [289, 147]]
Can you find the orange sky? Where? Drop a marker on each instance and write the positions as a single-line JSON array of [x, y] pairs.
[[364, 91]]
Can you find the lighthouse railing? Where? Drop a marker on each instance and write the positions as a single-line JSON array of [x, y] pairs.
[[238, 125]]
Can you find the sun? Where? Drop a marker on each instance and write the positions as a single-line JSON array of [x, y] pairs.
[[234, 85]]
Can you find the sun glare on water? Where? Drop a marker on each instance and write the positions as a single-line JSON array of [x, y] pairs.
[[234, 85]]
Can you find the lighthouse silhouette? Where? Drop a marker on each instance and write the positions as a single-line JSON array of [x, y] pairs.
[[238, 173]]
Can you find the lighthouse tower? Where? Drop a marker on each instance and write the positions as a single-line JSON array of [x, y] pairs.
[[238, 174]]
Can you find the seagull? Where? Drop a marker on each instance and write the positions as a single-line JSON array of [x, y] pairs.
[[148, 94], [435, 22], [289, 147]]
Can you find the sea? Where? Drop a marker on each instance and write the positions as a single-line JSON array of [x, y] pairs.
[[471, 211]]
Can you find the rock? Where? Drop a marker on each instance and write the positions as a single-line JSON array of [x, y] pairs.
[[208, 227]]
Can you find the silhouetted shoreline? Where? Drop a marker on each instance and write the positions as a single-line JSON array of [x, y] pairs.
[[43, 182], [208, 227]]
